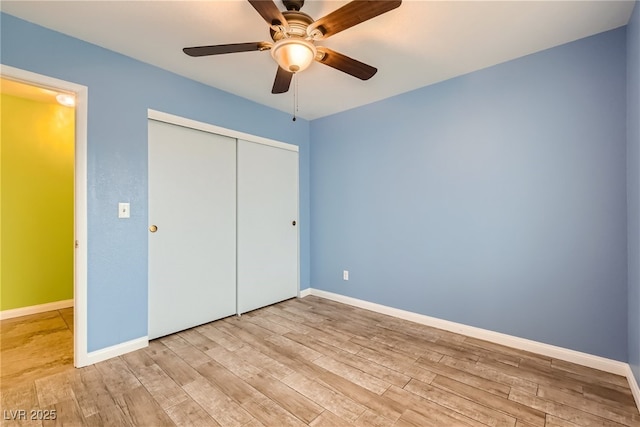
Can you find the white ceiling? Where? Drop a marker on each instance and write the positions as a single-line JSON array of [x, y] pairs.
[[420, 43]]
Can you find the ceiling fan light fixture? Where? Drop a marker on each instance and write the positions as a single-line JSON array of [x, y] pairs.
[[293, 54]]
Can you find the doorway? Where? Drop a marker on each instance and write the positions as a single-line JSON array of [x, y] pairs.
[[78, 212]]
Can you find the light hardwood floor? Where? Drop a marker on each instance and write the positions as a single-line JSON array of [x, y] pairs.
[[316, 362], [35, 346]]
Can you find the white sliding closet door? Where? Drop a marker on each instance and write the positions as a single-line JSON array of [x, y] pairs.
[[192, 202], [267, 225]]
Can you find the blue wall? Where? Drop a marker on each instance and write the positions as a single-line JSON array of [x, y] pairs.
[[633, 186], [120, 91], [496, 199]]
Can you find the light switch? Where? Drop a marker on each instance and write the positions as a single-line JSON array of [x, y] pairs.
[[123, 210]]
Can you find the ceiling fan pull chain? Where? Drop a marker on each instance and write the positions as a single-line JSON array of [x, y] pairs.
[[295, 95]]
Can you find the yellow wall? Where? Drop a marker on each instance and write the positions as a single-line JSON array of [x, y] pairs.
[[36, 192]]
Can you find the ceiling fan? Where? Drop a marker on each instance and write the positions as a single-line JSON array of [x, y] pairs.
[[294, 34]]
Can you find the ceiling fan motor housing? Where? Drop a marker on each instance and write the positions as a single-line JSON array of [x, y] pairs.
[[298, 23]]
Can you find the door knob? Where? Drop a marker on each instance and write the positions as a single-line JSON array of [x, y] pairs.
[[153, 228], [293, 223]]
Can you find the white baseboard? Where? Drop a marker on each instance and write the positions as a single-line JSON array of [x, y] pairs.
[[305, 292], [585, 359], [113, 351], [35, 309], [633, 384]]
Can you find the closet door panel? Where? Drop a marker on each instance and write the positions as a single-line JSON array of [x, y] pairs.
[[267, 225], [192, 201]]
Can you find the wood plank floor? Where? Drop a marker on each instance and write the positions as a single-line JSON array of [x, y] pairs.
[[320, 363], [35, 346]]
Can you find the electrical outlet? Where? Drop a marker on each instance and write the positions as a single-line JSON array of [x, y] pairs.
[[345, 275]]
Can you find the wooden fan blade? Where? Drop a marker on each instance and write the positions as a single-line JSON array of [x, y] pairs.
[[220, 49], [282, 82], [351, 14], [345, 64], [269, 12]]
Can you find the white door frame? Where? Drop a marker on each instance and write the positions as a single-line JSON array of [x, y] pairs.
[[80, 354]]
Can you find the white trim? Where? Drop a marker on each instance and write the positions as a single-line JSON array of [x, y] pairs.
[[35, 309], [633, 384], [585, 359], [206, 127], [80, 202], [117, 350], [298, 224], [305, 293]]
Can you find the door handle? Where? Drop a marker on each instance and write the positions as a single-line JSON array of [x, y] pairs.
[[293, 222], [153, 228]]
